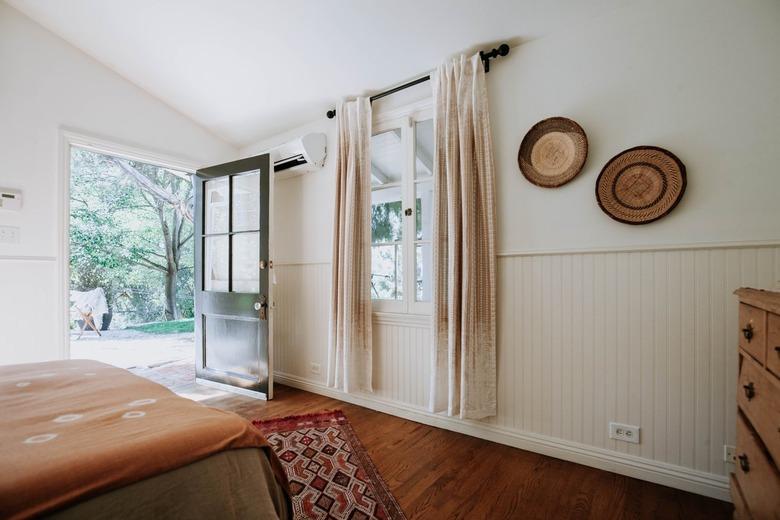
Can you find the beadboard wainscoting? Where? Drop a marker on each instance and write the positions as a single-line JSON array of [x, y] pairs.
[[644, 337], [301, 312]]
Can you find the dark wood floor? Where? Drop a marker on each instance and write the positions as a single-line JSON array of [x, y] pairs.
[[436, 473]]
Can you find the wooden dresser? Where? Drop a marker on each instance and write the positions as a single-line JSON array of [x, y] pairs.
[[755, 485]]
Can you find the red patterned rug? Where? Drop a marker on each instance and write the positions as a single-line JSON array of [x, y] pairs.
[[330, 472]]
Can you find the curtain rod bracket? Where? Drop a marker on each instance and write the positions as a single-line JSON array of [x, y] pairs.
[[502, 50]]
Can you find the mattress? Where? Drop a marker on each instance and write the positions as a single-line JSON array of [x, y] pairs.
[[79, 431]]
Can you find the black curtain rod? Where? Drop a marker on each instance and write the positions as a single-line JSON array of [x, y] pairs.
[[502, 50]]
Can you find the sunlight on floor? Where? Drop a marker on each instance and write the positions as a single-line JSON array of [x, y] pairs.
[[130, 349]]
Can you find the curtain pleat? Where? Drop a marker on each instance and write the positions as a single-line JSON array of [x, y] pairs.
[[349, 352], [463, 381]]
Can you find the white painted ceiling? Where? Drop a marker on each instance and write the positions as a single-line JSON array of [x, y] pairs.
[[248, 69]]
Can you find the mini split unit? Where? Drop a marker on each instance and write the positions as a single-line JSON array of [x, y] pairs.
[[301, 155]]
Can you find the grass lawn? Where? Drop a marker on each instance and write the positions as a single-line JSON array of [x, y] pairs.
[[166, 327]]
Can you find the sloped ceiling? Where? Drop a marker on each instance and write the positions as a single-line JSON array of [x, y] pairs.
[[247, 69]]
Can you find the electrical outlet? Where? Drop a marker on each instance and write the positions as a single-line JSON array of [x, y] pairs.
[[315, 368], [624, 432], [9, 235], [729, 453]]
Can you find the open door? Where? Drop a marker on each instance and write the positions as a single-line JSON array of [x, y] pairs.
[[233, 319]]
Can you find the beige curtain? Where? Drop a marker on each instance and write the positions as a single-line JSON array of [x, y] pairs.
[[464, 314], [349, 352]]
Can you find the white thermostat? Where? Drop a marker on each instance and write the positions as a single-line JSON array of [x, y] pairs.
[[10, 199]]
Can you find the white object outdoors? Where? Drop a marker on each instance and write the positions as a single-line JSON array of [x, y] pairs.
[[93, 301]]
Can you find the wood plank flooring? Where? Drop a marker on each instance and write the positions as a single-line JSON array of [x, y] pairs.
[[436, 473]]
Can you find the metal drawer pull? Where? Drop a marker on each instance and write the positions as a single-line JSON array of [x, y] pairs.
[[750, 391], [748, 332], [743, 463]]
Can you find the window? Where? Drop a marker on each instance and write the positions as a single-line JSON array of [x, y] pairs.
[[401, 212]]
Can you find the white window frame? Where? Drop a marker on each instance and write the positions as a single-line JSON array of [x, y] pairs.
[[404, 118]]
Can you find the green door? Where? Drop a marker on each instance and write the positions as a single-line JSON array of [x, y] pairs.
[[232, 291]]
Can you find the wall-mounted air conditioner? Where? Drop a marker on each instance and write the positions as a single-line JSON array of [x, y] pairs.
[[301, 155]]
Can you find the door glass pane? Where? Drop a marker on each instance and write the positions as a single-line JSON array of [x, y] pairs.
[[423, 214], [246, 202], [215, 263], [387, 158], [246, 261], [423, 149], [386, 215], [423, 272], [215, 204], [387, 272], [232, 346]]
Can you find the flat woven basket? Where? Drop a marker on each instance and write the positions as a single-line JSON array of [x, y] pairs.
[[641, 185], [553, 152]]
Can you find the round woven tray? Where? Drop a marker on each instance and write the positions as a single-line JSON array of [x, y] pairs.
[[641, 184], [553, 152]]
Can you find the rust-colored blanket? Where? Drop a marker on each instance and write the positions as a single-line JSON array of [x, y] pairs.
[[70, 430]]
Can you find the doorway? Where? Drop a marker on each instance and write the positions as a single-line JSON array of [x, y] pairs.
[[131, 261]]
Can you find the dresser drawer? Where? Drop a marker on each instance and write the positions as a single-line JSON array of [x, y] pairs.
[[752, 331], [758, 396], [756, 475], [773, 343], [741, 511]]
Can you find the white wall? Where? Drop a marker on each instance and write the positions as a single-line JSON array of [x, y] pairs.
[[303, 220], [45, 85], [697, 77], [589, 330]]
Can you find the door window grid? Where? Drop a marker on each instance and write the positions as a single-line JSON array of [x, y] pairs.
[[230, 233]]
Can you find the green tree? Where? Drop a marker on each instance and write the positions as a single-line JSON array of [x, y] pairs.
[[170, 197], [131, 233]]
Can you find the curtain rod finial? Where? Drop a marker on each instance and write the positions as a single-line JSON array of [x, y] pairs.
[[331, 114]]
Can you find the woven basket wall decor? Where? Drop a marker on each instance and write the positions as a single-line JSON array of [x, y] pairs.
[[553, 152], [641, 185]]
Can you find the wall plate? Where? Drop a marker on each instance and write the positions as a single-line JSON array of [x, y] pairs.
[[729, 453], [9, 235], [624, 432]]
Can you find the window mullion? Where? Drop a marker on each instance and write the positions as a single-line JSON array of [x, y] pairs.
[[409, 228]]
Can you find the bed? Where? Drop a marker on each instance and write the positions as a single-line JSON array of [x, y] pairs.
[[82, 439]]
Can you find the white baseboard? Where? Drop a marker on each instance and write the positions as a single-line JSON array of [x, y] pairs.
[[707, 484]]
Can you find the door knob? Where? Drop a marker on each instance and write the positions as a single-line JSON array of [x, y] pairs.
[[258, 306]]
